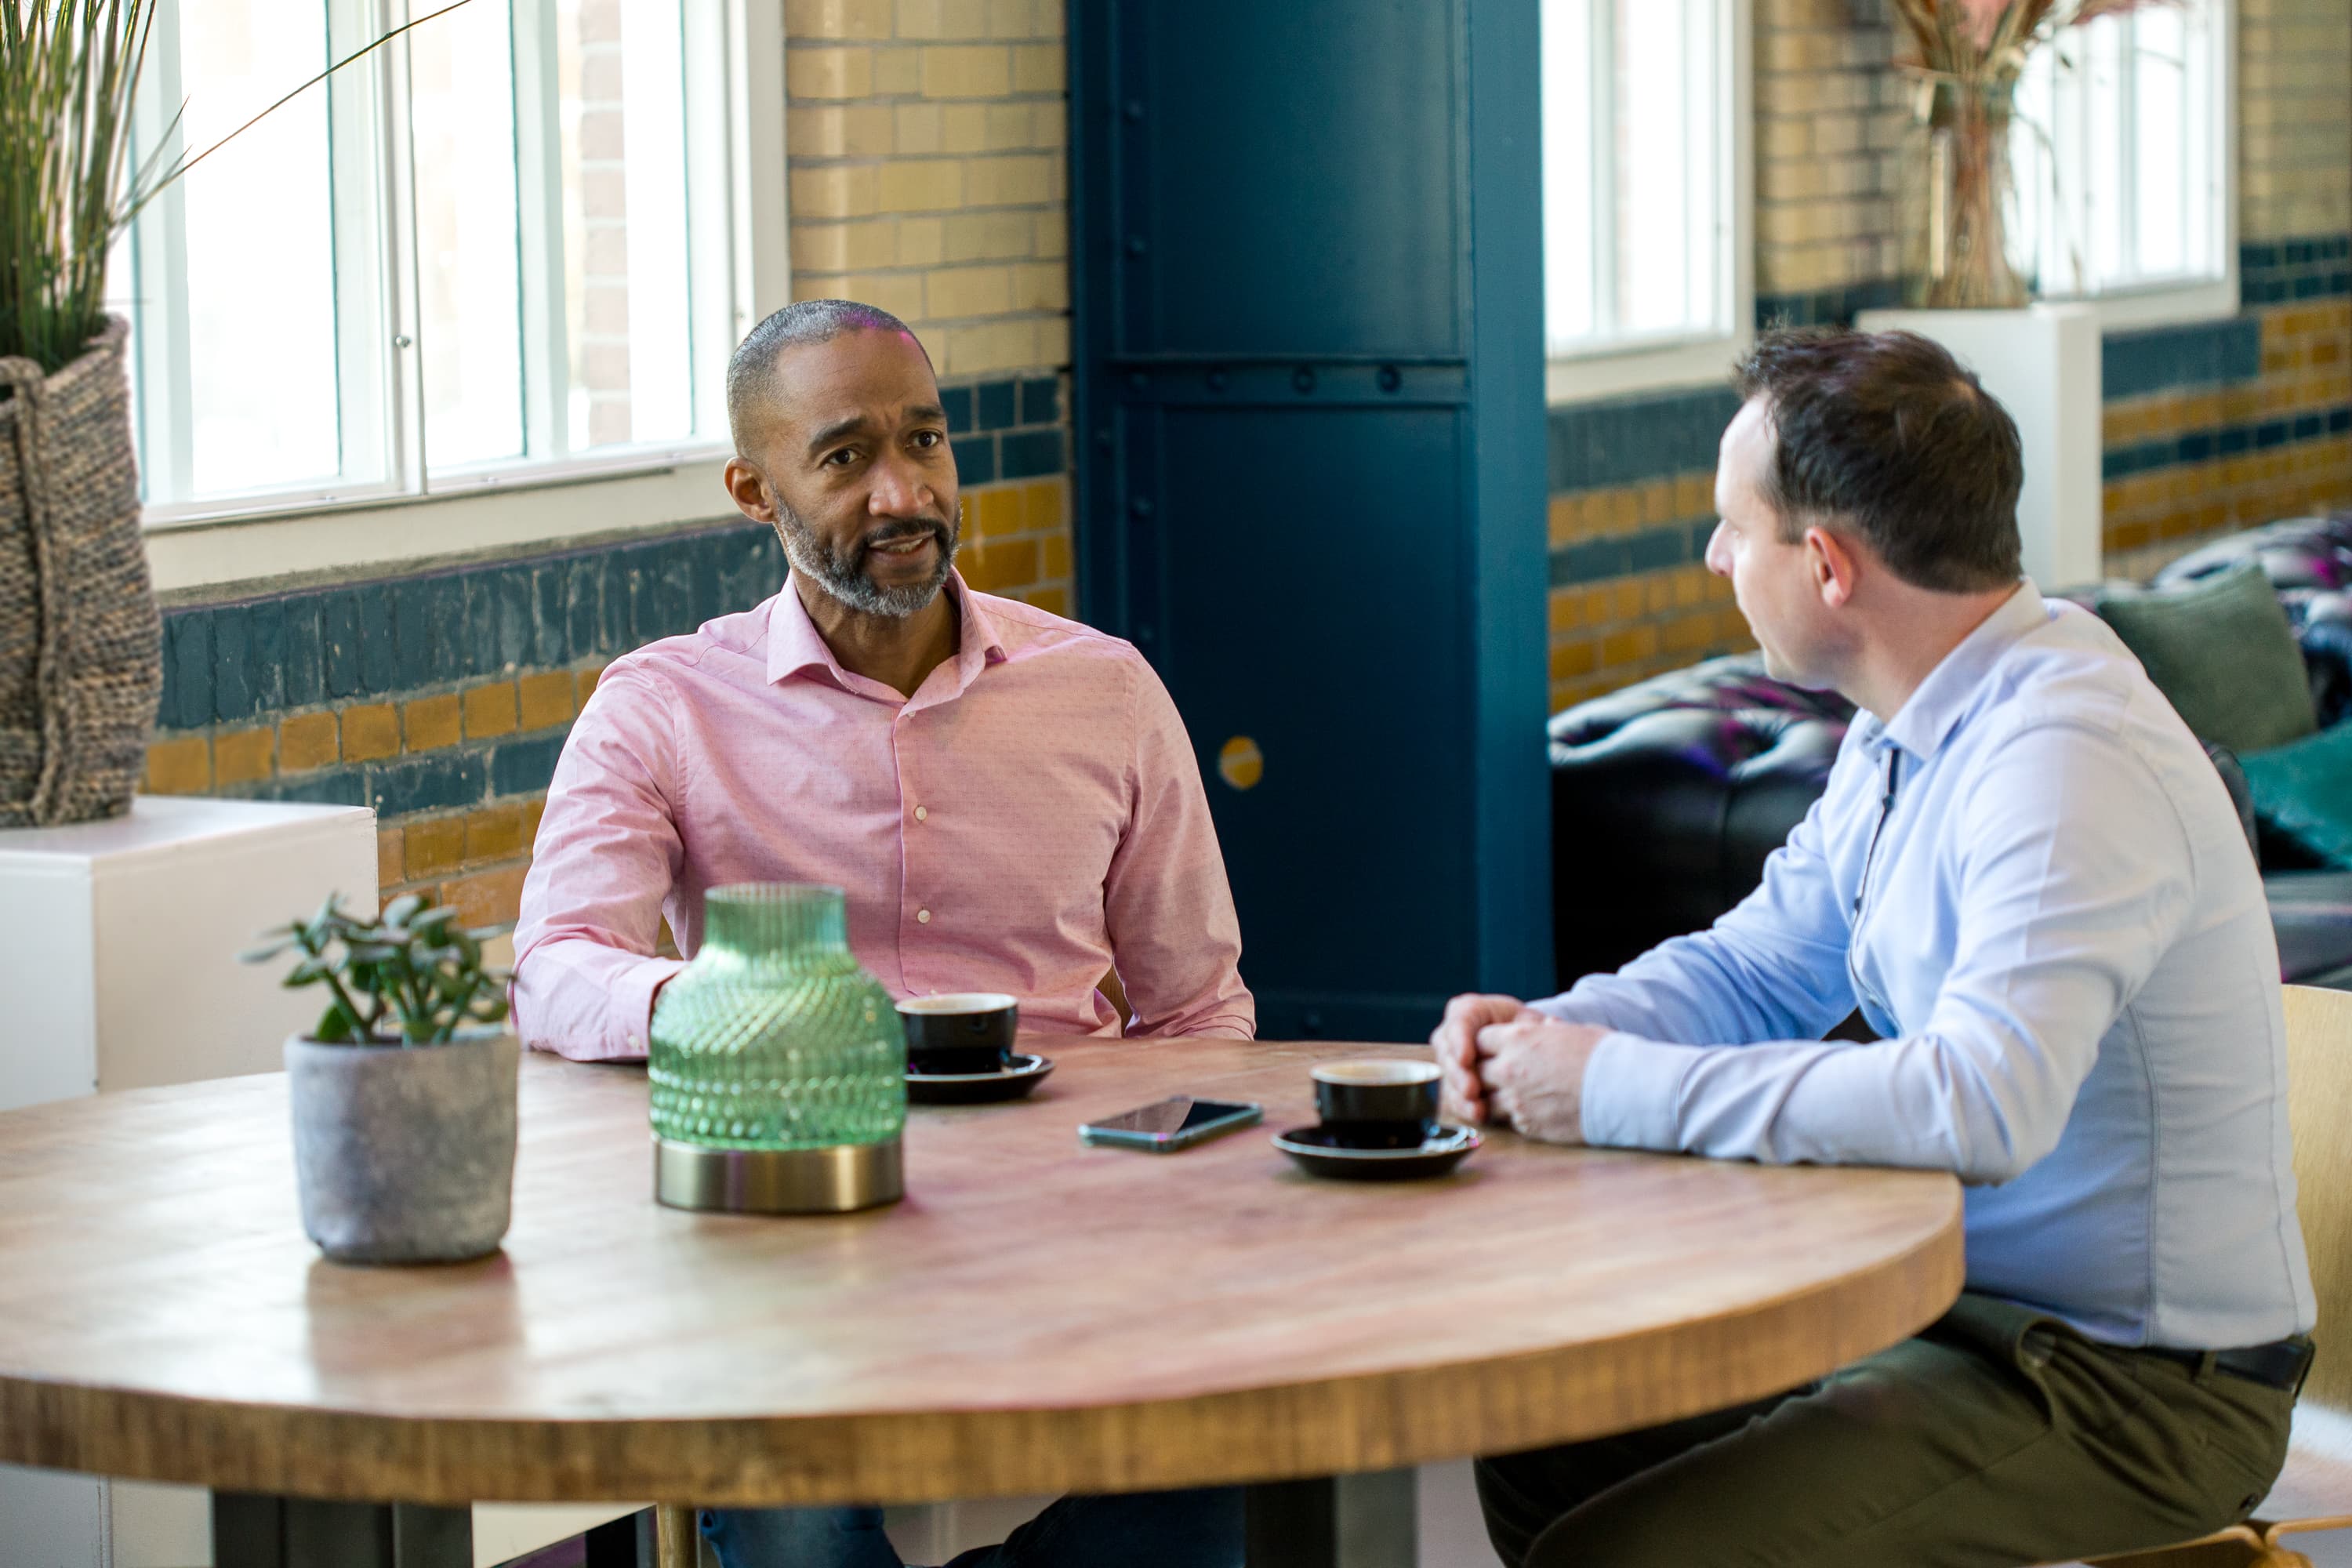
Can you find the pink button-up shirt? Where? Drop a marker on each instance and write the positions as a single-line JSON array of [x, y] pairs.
[[1029, 819]]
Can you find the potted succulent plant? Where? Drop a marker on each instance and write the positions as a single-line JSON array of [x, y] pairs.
[[403, 1095]]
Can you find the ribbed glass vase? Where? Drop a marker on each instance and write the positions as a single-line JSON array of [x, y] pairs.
[[773, 1037]]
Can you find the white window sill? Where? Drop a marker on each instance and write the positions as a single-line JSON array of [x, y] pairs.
[[2174, 305], [491, 512], [1593, 377]]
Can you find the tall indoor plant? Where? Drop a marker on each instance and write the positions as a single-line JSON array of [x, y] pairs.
[[1959, 186], [403, 1093], [82, 664]]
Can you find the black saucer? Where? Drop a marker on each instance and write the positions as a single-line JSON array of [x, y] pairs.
[[1319, 1153], [1010, 1081]]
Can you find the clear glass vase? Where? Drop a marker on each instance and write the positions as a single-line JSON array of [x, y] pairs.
[[1959, 199], [773, 1037]]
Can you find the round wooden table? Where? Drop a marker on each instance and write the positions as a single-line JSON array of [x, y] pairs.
[[1036, 1316]]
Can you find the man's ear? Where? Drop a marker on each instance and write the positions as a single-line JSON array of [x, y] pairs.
[[748, 489], [1835, 566]]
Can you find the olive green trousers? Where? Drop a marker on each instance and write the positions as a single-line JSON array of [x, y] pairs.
[[1997, 1436]]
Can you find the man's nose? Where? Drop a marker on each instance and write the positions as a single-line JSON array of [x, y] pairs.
[[901, 489], [1719, 553]]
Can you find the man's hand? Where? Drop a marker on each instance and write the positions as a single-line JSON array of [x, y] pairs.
[[1455, 1041], [1531, 1071]]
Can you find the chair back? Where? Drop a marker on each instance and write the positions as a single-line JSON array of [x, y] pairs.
[[2319, 1106]]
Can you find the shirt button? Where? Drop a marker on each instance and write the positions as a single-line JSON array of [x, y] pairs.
[[922, 917], [922, 814]]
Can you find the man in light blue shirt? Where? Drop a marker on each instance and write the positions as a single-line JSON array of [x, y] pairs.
[[2028, 877]]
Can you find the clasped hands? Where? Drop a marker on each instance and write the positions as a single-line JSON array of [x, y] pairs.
[[1508, 1064]]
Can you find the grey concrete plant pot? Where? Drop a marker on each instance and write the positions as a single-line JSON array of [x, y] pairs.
[[405, 1154]]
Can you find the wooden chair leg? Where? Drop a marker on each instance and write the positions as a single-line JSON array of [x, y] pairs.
[[677, 1543]]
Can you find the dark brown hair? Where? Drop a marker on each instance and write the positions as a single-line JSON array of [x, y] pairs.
[[1889, 435]]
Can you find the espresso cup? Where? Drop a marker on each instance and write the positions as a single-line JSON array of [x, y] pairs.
[[1377, 1103], [969, 1032]]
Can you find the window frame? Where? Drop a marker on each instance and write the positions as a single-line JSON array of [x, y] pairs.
[[518, 502], [2171, 304], [1628, 368]]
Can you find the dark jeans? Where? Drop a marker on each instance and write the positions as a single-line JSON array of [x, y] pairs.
[[1200, 1529], [1997, 1436]]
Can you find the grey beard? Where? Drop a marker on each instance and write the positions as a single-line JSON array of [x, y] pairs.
[[845, 577]]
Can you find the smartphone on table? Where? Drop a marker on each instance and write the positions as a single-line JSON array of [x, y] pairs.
[[1167, 1125]]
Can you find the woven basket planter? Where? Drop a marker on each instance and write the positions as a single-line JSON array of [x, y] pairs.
[[81, 653]]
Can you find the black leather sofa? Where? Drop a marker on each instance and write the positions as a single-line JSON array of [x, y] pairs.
[[1667, 795]]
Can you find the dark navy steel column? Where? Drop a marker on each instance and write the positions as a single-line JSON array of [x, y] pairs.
[[1310, 470]]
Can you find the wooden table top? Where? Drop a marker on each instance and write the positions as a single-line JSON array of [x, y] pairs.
[[1036, 1316]]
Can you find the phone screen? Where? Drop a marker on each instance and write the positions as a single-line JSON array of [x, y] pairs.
[[1177, 1114]]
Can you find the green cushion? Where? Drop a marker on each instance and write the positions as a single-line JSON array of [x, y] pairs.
[[2221, 650], [2304, 791]]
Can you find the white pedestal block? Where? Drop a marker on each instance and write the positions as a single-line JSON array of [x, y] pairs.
[[118, 940], [117, 958], [2043, 362]]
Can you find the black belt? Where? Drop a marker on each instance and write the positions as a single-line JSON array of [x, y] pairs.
[[2283, 1364]]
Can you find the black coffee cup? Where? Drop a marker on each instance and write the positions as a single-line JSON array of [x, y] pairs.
[[1377, 1103], [970, 1032]]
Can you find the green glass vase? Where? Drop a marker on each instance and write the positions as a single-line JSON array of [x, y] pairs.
[[772, 1037]]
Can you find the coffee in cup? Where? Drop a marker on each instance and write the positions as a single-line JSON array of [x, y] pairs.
[[1377, 1103], [968, 1032]]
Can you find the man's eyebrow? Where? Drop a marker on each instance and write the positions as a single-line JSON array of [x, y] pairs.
[[929, 412], [827, 434]]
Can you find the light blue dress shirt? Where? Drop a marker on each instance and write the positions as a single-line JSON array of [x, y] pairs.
[[2058, 931]]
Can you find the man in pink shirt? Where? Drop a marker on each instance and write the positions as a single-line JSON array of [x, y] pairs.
[[1008, 798]]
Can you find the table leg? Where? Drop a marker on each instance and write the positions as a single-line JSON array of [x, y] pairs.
[[1341, 1521], [680, 1541], [253, 1530]]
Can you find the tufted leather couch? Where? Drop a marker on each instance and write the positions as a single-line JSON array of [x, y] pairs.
[[1667, 795]]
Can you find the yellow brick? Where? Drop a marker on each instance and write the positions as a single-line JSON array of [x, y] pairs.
[[183, 766], [370, 731], [1009, 564], [1573, 659], [1658, 501], [491, 710], [1053, 340], [1038, 68], [922, 241], [837, 18], [1053, 233], [845, 247], [968, 291], [995, 511], [989, 236], [429, 723], [965, 72], [1042, 501], [1564, 612], [995, 345], [900, 293], [1052, 601], [828, 73], [1049, 124], [930, 184], [1009, 126], [963, 128], [942, 19], [1041, 287], [897, 72], [494, 833], [543, 702], [586, 678], [1057, 557], [835, 191], [1012, 19], [436, 846], [388, 872], [1018, 180], [918, 129], [307, 741]]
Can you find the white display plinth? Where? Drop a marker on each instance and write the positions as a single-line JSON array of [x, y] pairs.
[[117, 958], [2043, 362], [118, 940]]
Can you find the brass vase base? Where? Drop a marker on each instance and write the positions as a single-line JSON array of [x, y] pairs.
[[777, 1181]]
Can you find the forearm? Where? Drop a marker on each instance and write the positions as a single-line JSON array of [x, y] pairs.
[[584, 998]]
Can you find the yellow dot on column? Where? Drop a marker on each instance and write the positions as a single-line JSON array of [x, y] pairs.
[[1241, 763]]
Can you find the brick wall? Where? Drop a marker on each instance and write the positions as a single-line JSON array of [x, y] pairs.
[[2208, 427]]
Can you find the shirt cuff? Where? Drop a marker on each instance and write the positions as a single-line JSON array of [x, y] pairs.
[[632, 1004], [1631, 1086]]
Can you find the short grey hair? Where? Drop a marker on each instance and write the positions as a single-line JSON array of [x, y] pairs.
[[796, 325]]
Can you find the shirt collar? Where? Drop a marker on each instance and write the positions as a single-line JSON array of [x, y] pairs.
[[795, 646], [1920, 725]]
